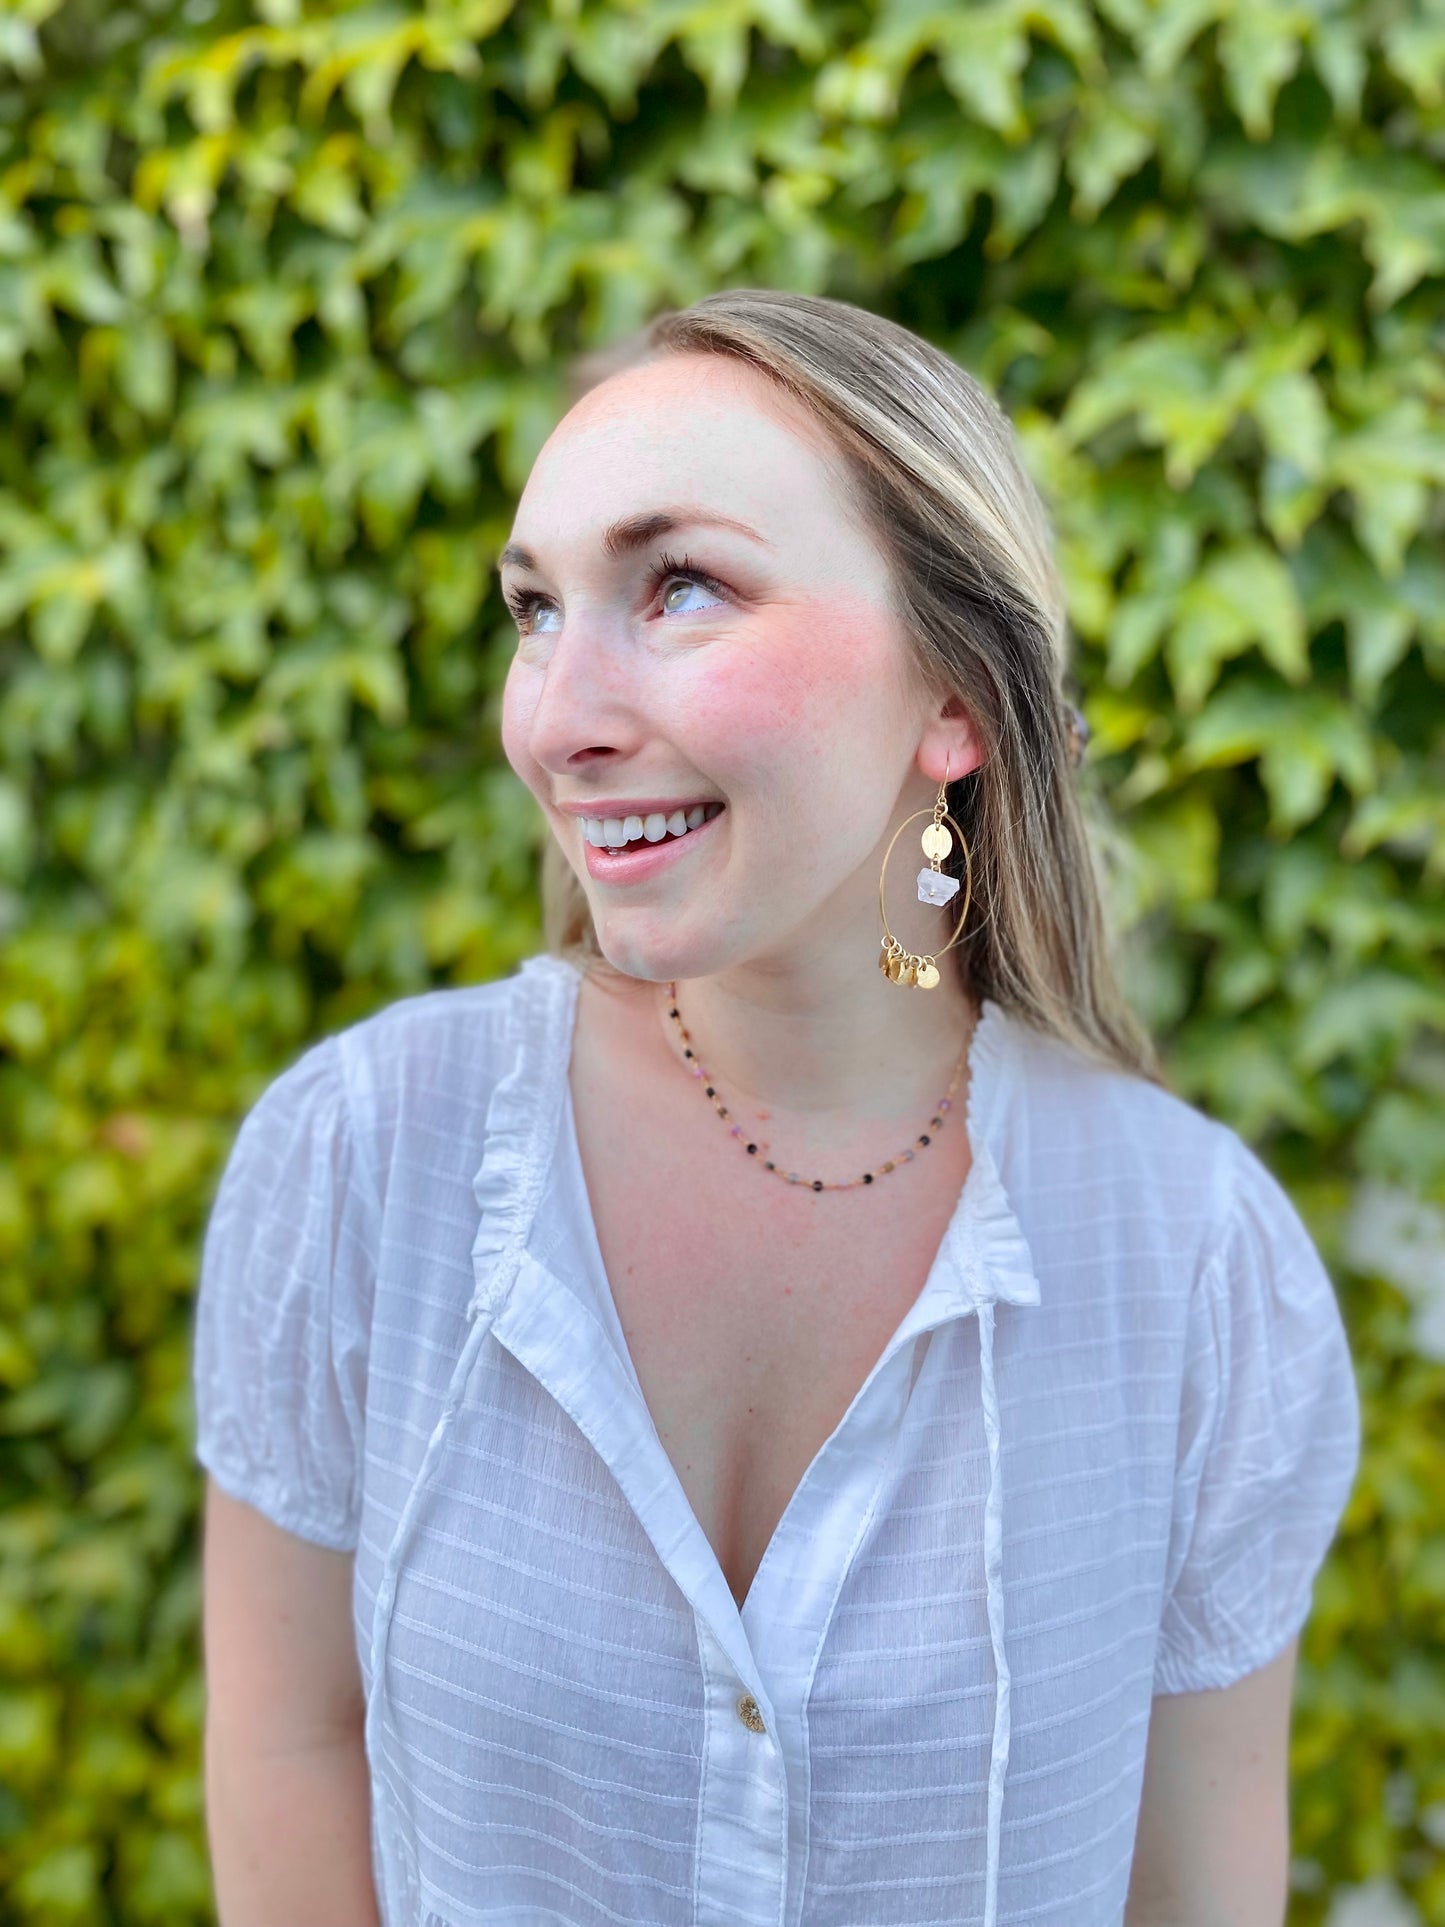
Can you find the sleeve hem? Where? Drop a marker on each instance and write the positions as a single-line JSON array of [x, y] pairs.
[[281, 1507], [1174, 1673]]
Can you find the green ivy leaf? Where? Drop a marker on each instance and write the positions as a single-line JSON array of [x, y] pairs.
[[1244, 596]]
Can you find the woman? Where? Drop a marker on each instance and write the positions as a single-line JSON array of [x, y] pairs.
[[812, 1413]]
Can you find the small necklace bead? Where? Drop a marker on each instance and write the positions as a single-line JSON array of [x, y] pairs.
[[936, 1122]]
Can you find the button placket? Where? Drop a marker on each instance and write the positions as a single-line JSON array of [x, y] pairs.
[[742, 1836]]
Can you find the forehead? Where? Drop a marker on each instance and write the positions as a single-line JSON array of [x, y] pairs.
[[698, 428]]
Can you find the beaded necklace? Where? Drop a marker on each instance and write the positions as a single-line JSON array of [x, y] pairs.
[[945, 1105]]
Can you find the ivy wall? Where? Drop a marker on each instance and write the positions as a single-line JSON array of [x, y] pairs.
[[286, 295]]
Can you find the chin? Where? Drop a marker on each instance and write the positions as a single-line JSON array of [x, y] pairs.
[[644, 966], [657, 961]]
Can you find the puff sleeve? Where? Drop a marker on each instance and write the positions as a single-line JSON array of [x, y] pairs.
[[1269, 1442], [282, 1308]]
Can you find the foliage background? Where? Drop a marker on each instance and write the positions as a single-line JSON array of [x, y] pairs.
[[284, 298]]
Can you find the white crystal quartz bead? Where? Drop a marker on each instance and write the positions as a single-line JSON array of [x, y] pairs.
[[935, 887]]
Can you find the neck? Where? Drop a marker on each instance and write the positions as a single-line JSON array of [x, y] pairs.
[[833, 1048]]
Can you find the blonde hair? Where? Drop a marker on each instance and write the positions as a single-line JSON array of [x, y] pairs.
[[934, 467]]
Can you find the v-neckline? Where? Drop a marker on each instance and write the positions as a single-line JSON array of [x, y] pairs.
[[948, 1284]]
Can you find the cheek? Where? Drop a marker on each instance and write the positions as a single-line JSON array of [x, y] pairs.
[[813, 685]]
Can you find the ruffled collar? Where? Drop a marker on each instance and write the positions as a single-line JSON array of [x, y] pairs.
[[987, 1254]]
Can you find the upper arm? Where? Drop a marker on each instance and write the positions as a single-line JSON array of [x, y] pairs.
[[281, 1667], [1212, 1845], [283, 1308]]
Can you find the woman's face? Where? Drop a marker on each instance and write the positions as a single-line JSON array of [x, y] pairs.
[[773, 680]]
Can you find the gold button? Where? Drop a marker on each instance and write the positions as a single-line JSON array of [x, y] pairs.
[[749, 1715]]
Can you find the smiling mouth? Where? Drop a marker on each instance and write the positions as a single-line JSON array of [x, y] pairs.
[[615, 834]]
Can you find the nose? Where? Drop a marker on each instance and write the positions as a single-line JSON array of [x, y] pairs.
[[586, 700]]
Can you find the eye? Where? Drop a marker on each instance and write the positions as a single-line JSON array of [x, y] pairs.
[[526, 604], [523, 604], [684, 572]]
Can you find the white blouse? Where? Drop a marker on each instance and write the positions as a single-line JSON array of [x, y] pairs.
[[1101, 1457]]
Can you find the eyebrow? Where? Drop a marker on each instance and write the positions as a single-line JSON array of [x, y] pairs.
[[635, 532]]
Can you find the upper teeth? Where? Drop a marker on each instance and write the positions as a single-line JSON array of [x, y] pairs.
[[615, 831]]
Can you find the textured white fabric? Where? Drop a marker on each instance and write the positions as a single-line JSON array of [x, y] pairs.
[[1102, 1456]]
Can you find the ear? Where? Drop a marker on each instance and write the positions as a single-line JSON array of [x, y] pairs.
[[949, 743]]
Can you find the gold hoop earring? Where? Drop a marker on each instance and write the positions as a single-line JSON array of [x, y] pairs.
[[902, 966]]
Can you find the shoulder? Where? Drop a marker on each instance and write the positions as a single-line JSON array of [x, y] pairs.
[[424, 1068], [1111, 1146], [1124, 1187], [452, 1038]]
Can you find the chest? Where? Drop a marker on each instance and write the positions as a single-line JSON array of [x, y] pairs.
[[753, 1311]]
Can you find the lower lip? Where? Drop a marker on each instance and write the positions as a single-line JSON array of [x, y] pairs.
[[648, 858]]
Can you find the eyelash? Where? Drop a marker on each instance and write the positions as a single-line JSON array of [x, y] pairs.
[[522, 602]]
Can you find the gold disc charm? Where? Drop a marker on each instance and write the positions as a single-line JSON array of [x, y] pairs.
[[927, 976], [936, 841]]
